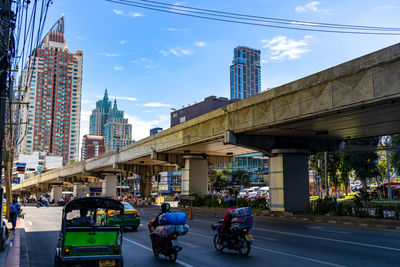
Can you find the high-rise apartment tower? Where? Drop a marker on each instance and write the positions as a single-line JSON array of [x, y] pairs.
[[52, 81], [245, 75], [108, 121]]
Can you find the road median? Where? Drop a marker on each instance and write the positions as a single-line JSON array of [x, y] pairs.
[[387, 224]]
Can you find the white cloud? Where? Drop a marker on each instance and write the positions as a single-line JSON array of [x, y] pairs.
[[185, 52], [177, 7], [310, 7], [156, 105], [303, 23], [173, 51], [176, 29], [200, 44], [135, 14], [282, 47], [164, 53], [118, 12], [143, 59], [388, 7], [122, 42], [141, 127], [109, 54], [180, 52], [118, 68], [150, 66]]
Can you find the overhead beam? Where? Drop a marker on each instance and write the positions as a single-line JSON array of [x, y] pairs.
[[266, 144]]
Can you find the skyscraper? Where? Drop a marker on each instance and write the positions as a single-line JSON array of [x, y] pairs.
[[245, 73], [52, 82], [100, 115], [106, 120], [117, 131]]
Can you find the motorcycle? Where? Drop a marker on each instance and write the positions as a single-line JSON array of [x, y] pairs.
[[169, 247], [60, 203], [236, 239], [40, 203]]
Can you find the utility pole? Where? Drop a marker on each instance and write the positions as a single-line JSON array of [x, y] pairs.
[[326, 174], [5, 18], [388, 169]]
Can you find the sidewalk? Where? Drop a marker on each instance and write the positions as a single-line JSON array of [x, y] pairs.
[[15, 253]]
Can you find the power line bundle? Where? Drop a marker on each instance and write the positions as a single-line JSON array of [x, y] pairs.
[[246, 19]]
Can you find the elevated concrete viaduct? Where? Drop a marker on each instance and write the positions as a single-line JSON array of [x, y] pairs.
[[359, 98]]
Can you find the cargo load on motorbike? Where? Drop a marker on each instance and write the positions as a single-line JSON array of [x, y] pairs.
[[241, 218], [172, 223]]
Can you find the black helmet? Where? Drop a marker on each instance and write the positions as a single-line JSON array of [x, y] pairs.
[[165, 207], [231, 202]]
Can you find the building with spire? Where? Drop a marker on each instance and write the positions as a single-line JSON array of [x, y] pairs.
[[117, 131], [99, 116], [52, 84], [108, 121]]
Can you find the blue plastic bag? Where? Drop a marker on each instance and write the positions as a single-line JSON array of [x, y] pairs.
[[174, 218]]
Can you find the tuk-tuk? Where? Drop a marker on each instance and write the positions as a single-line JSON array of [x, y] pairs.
[[83, 241]]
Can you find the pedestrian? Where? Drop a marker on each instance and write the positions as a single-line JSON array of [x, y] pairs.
[[14, 209]]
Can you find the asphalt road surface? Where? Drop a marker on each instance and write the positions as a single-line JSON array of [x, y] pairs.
[[277, 243]]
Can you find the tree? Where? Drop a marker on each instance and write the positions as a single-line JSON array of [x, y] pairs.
[[221, 180], [364, 163], [394, 159], [344, 170], [333, 166], [240, 177]]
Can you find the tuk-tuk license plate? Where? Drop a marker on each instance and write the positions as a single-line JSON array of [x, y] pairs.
[[175, 243], [106, 263], [249, 237]]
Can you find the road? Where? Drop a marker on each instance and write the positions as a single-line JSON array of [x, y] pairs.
[[277, 243]]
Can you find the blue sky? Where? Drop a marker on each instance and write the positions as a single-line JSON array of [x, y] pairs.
[[152, 62]]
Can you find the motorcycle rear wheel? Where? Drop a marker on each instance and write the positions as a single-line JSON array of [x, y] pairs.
[[244, 246], [218, 243], [173, 256], [156, 252]]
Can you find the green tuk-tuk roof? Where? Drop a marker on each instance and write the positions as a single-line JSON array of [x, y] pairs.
[[94, 203]]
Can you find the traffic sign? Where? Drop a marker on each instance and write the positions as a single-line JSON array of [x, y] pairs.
[[16, 180], [318, 176]]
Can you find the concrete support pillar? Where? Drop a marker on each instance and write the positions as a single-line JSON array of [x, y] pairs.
[[289, 188], [195, 176], [145, 185], [56, 193], [76, 188], [110, 185]]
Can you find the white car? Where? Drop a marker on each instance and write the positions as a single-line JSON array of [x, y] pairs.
[[242, 193]]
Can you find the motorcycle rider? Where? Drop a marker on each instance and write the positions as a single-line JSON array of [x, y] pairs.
[[226, 225], [165, 207]]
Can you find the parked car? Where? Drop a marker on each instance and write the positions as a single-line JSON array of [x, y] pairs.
[[242, 193], [131, 217]]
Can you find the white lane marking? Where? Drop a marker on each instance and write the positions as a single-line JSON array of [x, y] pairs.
[[204, 221], [206, 236], [328, 239], [298, 257], [256, 237], [29, 222], [319, 228], [280, 252], [149, 249], [265, 238]]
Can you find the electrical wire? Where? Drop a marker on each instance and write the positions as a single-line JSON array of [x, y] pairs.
[[180, 10], [270, 19]]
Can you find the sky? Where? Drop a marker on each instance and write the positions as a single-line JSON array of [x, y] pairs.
[[152, 62]]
